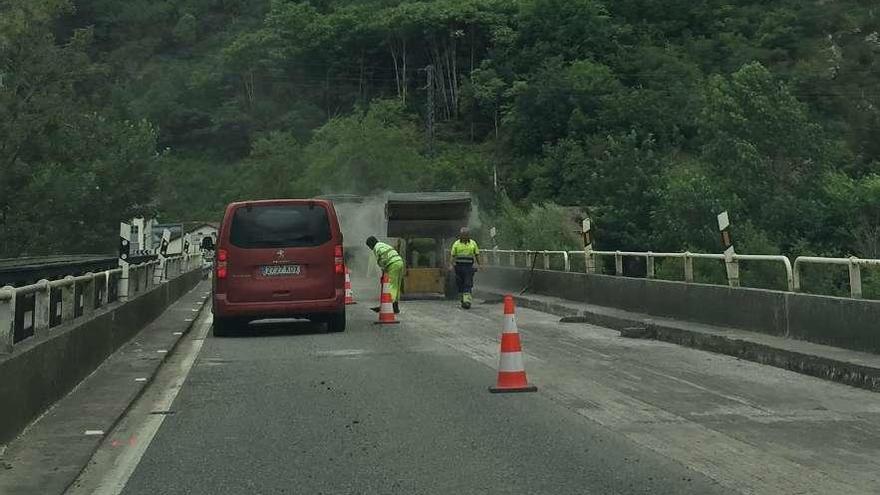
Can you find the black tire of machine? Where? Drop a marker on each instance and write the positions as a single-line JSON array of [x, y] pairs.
[[451, 289]]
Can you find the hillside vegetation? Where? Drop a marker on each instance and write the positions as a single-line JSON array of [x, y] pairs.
[[652, 115]]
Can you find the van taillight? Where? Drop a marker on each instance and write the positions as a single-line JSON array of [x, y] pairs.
[[339, 259], [222, 258]]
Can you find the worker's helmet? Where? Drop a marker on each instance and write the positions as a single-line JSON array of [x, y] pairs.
[[371, 241]]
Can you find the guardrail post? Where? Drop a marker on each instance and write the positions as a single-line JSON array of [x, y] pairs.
[[88, 295], [566, 261], [68, 301], [42, 307], [122, 292], [649, 265], [7, 318], [106, 299], [134, 280], [688, 267], [546, 261], [618, 264], [512, 258], [855, 278], [158, 269]]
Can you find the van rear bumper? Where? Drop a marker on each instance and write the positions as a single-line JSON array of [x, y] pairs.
[[277, 309]]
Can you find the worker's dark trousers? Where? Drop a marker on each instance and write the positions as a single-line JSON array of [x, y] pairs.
[[464, 278]]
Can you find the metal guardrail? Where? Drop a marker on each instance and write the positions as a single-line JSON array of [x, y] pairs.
[[36, 308], [855, 270], [509, 257], [545, 256], [29, 270]]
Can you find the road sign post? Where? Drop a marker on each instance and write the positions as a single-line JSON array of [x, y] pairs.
[[730, 262], [124, 258], [586, 231], [162, 275], [493, 232]]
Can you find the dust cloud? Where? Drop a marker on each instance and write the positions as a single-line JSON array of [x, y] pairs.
[[359, 220], [365, 216]]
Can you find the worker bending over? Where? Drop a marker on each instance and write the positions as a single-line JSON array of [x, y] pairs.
[[390, 263], [465, 257]]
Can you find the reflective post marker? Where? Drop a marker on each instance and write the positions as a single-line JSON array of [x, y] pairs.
[[730, 261], [124, 256], [586, 231]]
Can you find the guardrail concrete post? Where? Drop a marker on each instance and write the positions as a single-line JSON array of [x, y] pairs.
[[7, 318], [649, 265], [42, 307], [158, 270], [512, 258], [546, 261], [68, 301], [106, 299], [855, 278], [618, 264], [123, 282], [688, 267], [88, 295]]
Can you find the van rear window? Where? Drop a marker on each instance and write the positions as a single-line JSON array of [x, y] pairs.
[[272, 226]]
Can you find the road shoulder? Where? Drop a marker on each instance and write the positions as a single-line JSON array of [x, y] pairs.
[[49, 455]]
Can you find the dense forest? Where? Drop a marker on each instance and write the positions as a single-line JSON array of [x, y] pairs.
[[651, 115]]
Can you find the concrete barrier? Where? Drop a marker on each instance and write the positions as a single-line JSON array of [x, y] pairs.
[[841, 322], [41, 371]]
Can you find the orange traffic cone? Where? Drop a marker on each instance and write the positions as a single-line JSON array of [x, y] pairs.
[[349, 295], [386, 306], [511, 372]]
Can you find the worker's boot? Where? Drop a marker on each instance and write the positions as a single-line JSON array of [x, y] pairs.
[[396, 307], [466, 300], [461, 300]]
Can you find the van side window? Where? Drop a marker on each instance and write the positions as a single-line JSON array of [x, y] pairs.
[[279, 226]]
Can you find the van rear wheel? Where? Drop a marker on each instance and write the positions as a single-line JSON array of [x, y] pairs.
[[224, 327], [336, 322]]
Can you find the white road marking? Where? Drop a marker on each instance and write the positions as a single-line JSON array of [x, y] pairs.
[[121, 457], [141, 379], [162, 351], [94, 432], [342, 352], [177, 333]]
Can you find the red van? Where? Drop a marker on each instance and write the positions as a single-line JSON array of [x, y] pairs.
[[279, 259]]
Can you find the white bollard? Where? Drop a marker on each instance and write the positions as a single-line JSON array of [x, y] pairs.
[[7, 318]]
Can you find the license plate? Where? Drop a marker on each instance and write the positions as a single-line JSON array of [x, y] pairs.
[[280, 270]]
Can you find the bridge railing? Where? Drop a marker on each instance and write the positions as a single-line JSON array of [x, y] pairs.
[[855, 270], [793, 271], [29, 310]]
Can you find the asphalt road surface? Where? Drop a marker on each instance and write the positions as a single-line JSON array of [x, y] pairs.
[[405, 409]]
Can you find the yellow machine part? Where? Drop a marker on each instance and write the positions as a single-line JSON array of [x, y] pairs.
[[424, 281]]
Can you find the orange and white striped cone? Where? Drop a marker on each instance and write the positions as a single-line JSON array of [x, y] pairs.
[[386, 305], [349, 295], [511, 372]]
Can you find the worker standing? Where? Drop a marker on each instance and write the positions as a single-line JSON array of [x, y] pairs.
[[391, 263], [465, 258]]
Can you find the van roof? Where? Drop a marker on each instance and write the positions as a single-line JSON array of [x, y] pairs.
[[324, 202]]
